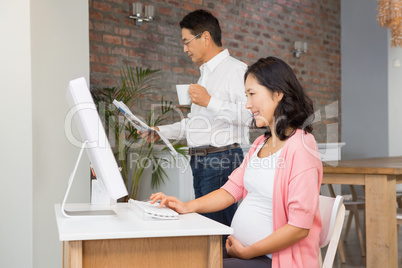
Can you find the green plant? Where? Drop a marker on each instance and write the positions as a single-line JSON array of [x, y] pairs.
[[133, 86]]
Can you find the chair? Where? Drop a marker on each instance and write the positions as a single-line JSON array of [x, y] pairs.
[[398, 211], [399, 199], [332, 217], [398, 219], [353, 205]]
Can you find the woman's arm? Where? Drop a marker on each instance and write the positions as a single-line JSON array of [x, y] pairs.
[[282, 238], [214, 201]]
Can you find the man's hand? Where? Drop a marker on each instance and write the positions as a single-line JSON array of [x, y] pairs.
[[150, 136], [199, 95]]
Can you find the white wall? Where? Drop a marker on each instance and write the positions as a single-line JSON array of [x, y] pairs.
[[60, 52], [15, 135], [44, 44], [364, 49], [371, 84], [395, 99]]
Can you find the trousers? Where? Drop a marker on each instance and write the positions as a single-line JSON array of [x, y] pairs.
[[211, 172], [257, 262]]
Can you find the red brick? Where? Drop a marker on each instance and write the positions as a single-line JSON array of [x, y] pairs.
[[250, 55], [128, 22], [109, 60], [122, 11], [152, 56], [93, 58], [245, 15], [95, 15], [112, 19], [155, 37], [108, 81], [238, 54], [131, 53], [100, 69], [120, 51], [95, 37], [193, 71], [174, 3], [96, 48], [197, 2], [127, 42], [227, 35], [99, 26], [277, 38], [188, 7], [102, 6], [164, 11], [111, 39], [178, 70], [140, 55], [122, 31], [167, 29]]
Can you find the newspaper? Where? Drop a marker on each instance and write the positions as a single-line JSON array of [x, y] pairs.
[[141, 126]]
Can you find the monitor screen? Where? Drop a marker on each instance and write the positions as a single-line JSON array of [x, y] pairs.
[[84, 115]]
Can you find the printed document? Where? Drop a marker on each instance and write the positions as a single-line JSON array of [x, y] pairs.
[[141, 126]]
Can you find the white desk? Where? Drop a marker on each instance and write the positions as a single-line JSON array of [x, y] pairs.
[[126, 240]]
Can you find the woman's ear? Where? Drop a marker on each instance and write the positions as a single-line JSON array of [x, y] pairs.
[[278, 96]]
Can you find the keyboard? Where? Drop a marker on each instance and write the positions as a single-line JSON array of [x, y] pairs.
[[148, 211]]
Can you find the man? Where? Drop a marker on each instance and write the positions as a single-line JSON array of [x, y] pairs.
[[218, 120]]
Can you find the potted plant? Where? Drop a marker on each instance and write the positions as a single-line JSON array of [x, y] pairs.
[[134, 85]]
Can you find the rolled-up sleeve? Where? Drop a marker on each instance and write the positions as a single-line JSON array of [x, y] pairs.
[[303, 198]]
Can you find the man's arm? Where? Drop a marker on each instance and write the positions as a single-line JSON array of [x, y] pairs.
[[233, 111]]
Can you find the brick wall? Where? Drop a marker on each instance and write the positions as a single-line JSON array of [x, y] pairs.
[[251, 30]]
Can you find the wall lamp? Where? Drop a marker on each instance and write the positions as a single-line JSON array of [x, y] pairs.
[[300, 48], [138, 15]]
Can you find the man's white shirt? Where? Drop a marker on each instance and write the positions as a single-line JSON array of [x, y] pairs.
[[225, 120]]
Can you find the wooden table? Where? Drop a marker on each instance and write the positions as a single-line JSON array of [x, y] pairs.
[[379, 176], [126, 240]]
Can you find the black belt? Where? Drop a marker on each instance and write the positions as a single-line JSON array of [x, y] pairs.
[[203, 151]]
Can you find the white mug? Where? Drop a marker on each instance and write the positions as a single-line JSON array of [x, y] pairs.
[[182, 94]]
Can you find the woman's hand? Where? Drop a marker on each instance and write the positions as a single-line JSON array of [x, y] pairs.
[[235, 249], [280, 239], [170, 202]]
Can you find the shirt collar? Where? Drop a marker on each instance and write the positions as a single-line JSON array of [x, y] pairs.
[[212, 63]]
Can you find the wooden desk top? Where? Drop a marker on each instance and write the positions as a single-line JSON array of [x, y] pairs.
[[381, 165], [128, 225]]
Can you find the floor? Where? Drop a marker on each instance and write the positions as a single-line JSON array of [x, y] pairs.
[[352, 250]]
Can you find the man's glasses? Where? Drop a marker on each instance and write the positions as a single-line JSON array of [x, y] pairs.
[[186, 43]]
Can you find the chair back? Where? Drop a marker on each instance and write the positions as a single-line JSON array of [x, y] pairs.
[[399, 216], [332, 217]]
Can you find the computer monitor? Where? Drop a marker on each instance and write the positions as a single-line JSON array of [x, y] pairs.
[[92, 138]]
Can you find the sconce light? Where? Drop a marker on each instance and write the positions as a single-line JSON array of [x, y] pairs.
[[300, 48], [137, 13]]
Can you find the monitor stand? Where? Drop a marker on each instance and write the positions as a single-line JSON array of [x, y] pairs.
[[81, 213]]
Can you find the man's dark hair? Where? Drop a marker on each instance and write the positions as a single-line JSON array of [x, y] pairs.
[[200, 21], [296, 109]]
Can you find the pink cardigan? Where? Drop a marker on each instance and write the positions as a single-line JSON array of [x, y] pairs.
[[296, 189]]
